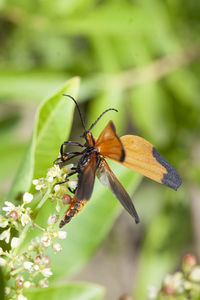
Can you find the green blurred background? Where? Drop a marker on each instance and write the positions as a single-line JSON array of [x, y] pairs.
[[141, 57]]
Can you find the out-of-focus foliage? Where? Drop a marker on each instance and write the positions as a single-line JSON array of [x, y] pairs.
[[72, 291], [141, 57]]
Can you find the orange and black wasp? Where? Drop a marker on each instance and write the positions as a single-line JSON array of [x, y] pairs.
[[131, 151]]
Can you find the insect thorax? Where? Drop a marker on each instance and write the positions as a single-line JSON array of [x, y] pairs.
[[84, 159]]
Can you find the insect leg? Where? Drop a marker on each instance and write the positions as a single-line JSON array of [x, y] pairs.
[[67, 176], [71, 190], [69, 143], [74, 154], [72, 173], [73, 143]]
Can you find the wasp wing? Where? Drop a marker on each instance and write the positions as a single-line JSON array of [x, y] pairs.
[[108, 143], [142, 157], [86, 178], [108, 179]]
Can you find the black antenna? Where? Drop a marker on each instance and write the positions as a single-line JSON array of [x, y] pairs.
[[78, 110], [101, 116]]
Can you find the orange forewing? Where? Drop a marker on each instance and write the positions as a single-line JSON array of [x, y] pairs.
[[142, 157], [108, 144]]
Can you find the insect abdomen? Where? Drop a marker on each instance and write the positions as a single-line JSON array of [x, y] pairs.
[[72, 210]]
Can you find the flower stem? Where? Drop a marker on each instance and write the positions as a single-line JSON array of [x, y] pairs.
[[17, 271]]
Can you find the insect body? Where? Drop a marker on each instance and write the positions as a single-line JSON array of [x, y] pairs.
[[131, 151]]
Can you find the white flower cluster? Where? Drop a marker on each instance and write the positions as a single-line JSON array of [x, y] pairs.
[[180, 285], [33, 261], [16, 214], [54, 176]]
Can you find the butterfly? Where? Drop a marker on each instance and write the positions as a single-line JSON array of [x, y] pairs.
[[131, 151]]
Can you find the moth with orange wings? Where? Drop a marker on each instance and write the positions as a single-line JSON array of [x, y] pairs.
[[131, 151]]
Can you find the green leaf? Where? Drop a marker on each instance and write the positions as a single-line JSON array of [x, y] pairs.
[[2, 286], [70, 291], [52, 126]]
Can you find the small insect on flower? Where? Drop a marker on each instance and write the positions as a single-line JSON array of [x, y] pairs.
[[131, 151]]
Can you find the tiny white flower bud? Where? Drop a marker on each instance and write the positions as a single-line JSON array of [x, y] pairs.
[[28, 266], [27, 197], [35, 181], [55, 235], [57, 247], [15, 242], [5, 235], [46, 272], [38, 187], [178, 282], [1, 251], [67, 168], [46, 240], [43, 283], [19, 282], [58, 206], [152, 292], [21, 297], [3, 221], [7, 290], [73, 183], [62, 234], [2, 262], [50, 179], [27, 284], [46, 260], [36, 267], [25, 219], [52, 219], [187, 285], [52, 171], [167, 280], [9, 206], [195, 274], [35, 242], [57, 188]]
